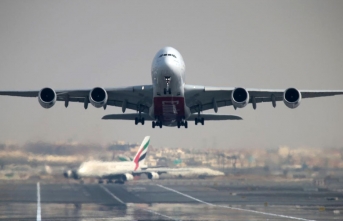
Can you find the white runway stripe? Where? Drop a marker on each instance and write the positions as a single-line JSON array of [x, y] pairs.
[[39, 218], [111, 194], [150, 211], [233, 208]]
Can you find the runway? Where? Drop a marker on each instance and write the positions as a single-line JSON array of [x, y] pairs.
[[167, 200]]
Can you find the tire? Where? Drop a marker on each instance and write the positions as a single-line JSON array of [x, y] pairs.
[[202, 121], [186, 124], [142, 121], [178, 124], [160, 124], [153, 124], [196, 121], [169, 91], [136, 121], [165, 91]]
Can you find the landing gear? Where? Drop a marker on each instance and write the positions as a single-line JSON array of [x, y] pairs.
[[199, 120], [167, 89], [139, 120], [182, 123], [157, 123]]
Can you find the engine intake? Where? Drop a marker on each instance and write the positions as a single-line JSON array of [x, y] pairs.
[[98, 97], [127, 177], [292, 98], [153, 176], [47, 97], [240, 97]]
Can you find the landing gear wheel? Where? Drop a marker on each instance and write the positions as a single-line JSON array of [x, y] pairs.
[[178, 124], [165, 91], [186, 124], [169, 91], [153, 124], [136, 121], [160, 124], [202, 121], [142, 121], [196, 121]]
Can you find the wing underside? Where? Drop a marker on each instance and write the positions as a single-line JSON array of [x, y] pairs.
[[201, 98]]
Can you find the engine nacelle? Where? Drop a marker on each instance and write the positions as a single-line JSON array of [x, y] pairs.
[[68, 174], [153, 176], [292, 98], [47, 97], [98, 97], [240, 97], [127, 177]]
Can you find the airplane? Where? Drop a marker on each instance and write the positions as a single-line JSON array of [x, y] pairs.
[[118, 171], [169, 101]]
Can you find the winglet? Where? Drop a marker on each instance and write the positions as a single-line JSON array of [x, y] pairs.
[[142, 151]]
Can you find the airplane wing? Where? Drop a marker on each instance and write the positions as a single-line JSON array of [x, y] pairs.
[[201, 98], [160, 170], [126, 117], [134, 97], [208, 117]]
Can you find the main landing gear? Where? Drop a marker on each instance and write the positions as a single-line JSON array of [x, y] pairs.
[[199, 120], [182, 123], [139, 120], [157, 123]]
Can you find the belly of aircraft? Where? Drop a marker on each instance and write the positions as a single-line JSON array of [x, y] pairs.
[[169, 109]]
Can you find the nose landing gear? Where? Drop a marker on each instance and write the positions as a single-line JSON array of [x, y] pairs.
[[167, 89]]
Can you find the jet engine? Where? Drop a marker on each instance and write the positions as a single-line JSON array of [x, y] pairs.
[[239, 97], [98, 97], [153, 176], [127, 177], [68, 174], [292, 98], [47, 97]]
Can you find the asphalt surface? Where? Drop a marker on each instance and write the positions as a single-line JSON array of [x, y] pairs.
[[168, 200]]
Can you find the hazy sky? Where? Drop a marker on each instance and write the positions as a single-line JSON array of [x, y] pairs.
[[260, 44]]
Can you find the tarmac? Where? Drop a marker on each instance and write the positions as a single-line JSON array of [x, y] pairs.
[[168, 200]]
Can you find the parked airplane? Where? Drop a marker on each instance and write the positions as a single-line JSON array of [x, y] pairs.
[[118, 171], [168, 100]]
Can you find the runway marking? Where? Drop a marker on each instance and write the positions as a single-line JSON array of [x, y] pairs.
[[39, 217], [233, 208], [114, 196], [148, 210]]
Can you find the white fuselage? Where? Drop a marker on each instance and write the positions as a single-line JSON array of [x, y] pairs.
[[103, 169], [168, 80]]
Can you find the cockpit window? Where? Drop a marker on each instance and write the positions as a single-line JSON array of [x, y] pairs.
[[167, 55]]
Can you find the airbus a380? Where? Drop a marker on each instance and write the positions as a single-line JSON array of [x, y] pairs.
[[117, 171], [169, 101]]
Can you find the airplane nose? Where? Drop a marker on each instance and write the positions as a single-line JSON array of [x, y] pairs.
[[168, 65]]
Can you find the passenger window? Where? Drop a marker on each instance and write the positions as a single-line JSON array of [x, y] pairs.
[[165, 55], [169, 54], [174, 56], [160, 55]]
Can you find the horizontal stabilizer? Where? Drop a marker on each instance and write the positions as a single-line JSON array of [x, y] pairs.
[[125, 117], [215, 117]]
